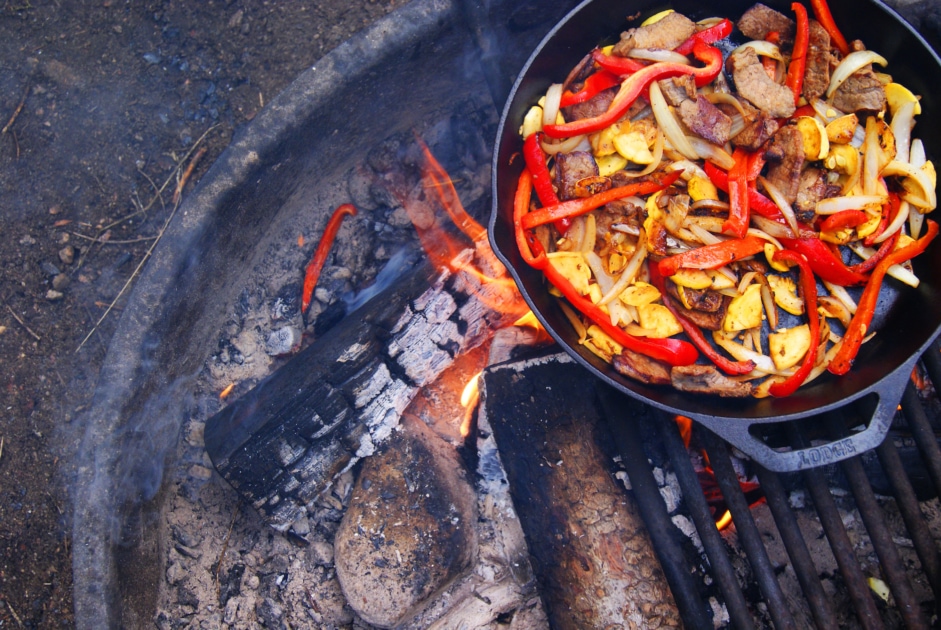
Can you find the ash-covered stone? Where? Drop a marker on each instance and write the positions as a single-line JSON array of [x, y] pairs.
[[410, 529]]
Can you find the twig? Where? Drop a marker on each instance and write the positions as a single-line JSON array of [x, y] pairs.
[[15, 616], [16, 112], [186, 175], [225, 547], [1, 446], [23, 324], [111, 241]]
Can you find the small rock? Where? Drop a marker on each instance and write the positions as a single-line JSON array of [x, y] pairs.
[[282, 341], [410, 531], [200, 472], [270, 613], [195, 435], [54, 296], [27, 240], [67, 255], [151, 58], [61, 282], [320, 553], [49, 269]]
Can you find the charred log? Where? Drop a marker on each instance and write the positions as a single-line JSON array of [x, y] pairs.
[[555, 447], [284, 442]]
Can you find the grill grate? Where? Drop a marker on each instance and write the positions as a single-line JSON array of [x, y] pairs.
[[633, 433]]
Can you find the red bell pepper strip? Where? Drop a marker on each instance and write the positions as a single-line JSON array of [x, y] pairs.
[[737, 223], [617, 65], [889, 210], [712, 256], [696, 335], [535, 160], [756, 201], [843, 219], [314, 267], [594, 84], [824, 262], [822, 12], [521, 200], [809, 292], [770, 65], [866, 307], [887, 246], [756, 162], [636, 84], [719, 30], [798, 65], [577, 207]]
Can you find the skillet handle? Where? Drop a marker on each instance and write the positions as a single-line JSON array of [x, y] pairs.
[[889, 392]]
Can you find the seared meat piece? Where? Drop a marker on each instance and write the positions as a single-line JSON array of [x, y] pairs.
[[665, 34], [756, 133], [706, 120], [618, 211], [595, 106], [812, 188], [572, 167], [817, 72], [706, 379], [862, 91], [785, 158], [749, 264], [704, 319], [641, 368], [761, 19], [678, 89], [754, 84]]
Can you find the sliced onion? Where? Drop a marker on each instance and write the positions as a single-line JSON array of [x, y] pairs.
[[898, 272], [704, 235], [875, 158], [762, 48], [842, 295], [781, 202], [772, 229], [713, 204], [726, 341], [737, 126], [902, 123], [624, 228], [727, 99], [835, 308], [669, 124], [575, 320], [550, 111], [565, 146], [917, 184], [591, 233], [850, 65], [746, 280], [630, 272], [915, 221], [658, 54], [917, 156], [765, 236], [897, 222], [827, 113], [715, 154], [832, 205], [690, 169], [713, 225]]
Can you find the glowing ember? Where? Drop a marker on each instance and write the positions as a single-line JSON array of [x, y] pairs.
[[226, 391], [469, 399]]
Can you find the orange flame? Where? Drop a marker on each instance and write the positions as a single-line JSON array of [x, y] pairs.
[[685, 426], [469, 399], [724, 521]]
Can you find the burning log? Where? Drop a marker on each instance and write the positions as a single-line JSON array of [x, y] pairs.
[[594, 561], [284, 442]]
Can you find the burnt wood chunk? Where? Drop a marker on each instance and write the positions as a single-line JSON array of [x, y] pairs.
[[591, 553], [282, 444]]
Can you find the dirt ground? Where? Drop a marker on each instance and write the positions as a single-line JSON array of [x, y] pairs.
[[100, 102]]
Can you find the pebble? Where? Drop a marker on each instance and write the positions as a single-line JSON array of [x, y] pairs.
[[54, 296], [67, 255], [200, 472], [49, 269], [61, 281], [27, 240]]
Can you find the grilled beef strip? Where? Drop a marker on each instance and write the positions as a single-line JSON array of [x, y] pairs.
[[678, 89], [665, 34], [595, 106], [706, 120], [706, 379], [641, 368], [785, 157], [861, 92], [754, 84], [704, 319], [812, 187], [570, 168], [819, 60], [761, 19]]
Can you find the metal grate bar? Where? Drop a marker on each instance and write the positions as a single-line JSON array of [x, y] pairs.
[[880, 536], [748, 532], [804, 569], [722, 570], [922, 433], [627, 436]]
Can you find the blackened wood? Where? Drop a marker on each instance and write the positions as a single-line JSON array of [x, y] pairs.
[[590, 550], [283, 443], [623, 415]]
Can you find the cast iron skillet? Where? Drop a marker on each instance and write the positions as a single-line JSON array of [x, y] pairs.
[[907, 319]]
